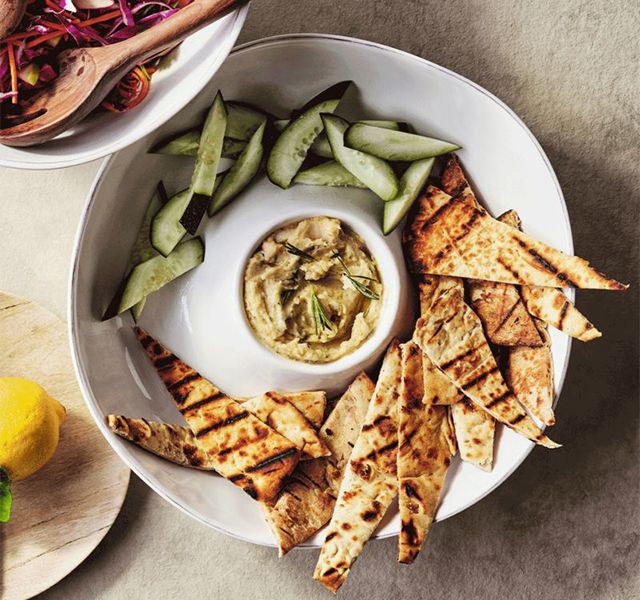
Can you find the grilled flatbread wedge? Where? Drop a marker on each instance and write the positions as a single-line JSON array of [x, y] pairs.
[[454, 181], [370, 480], [276, 411], [177, 444], [529, 374], [451, 334], [306, 502], [499, 306], [551, 305], [311, 404], [424, 454], [438, 388], [554, 308], [503, 314], [241, 448], [174, 443], [475, 433], [460, 240]]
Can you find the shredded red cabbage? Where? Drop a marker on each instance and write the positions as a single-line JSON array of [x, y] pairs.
[[51, 26]]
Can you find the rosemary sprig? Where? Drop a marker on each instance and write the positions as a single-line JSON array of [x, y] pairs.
[[291, 249], [366, 291], [320, 318]]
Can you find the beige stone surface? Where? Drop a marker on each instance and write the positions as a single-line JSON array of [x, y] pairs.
[[566, 524]]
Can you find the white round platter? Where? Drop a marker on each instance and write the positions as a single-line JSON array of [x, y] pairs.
[[199, 316]]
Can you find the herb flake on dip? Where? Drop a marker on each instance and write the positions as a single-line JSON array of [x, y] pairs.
[[312, 291]]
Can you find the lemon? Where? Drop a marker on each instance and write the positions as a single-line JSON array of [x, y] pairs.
[[30, 422]]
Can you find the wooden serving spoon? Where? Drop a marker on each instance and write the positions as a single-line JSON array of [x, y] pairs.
[[88, 74], [11, 13]]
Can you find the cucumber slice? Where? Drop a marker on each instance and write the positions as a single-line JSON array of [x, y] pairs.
[[241, 173], [151, 275], [166, 229], [183, 144], [337, 90], [322, 148], [331, 174], [375, 173], [412, 182], [142, 248], [231, 148], [186, 144], [395, 145], [291, 147], [206, 168], [243, 120], [209, 148], [392, 125]]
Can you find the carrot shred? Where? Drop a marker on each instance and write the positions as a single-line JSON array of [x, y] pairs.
[[14, 72], [43, 38], [106, 17]]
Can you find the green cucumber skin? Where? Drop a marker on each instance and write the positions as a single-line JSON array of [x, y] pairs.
[[412, 183], [337, 90], [187, 145], [395, 145], [166, 229], [153, 274], [291, 147], [321, 147], [184, 144], [143, 249], [210, 149], [392, 125], [240, 174], [331, 174], [243, 120], [374, 172]]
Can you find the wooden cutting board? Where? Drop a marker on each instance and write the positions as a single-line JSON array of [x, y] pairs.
[[61, 513]]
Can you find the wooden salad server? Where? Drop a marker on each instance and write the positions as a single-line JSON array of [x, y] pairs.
[[11, 13], [87, 75]]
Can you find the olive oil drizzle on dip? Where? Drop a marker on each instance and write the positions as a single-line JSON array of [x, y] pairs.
[[312, 291]]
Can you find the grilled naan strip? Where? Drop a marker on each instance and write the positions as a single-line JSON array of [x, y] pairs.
[[306, 502], [438, 388], [275, 410], [424, 454], [504, 316], [370, 480], [499, 305], [311, 404], [454, 181], [241, 448], [177, 444], [553, 307], [458, 239], [529, 374], [475, 433], [451, 334], [550, 304], [174, 443]]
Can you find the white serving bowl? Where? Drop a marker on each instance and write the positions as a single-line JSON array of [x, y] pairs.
[[200, 316], [172, 88]]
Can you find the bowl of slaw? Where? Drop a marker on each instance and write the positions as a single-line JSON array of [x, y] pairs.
[[142, 101]]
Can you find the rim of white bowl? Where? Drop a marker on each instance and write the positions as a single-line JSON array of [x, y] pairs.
[[72, 324], [175, 105]]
